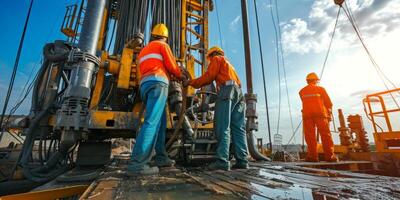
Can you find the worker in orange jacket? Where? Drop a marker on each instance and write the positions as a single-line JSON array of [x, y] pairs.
[[317, 113], [156, 65], [229, 109]]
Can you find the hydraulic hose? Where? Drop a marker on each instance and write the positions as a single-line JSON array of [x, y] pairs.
[[54, 57], [180, 120], [254, 153], [50, 170], [35, 175]]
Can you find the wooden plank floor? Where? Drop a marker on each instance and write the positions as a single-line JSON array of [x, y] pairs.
[[261, 181]]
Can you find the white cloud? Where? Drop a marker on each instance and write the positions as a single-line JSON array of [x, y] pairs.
[[375, 18], [349, 74], [233, 26]]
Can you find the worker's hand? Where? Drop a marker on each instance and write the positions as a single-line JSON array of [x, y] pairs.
[[186, 82], [330, 117], [185, 74]]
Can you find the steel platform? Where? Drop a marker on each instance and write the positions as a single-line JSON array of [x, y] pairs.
[[261, 181]]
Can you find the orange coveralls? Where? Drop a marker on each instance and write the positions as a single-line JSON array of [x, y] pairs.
[[157, 59], [156, 64], [229, 111], [316, 113], [219, 70]]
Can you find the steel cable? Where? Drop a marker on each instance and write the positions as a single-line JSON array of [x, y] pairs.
[[322, 70], [283, 65], [263, 75], [219, 25], [278, 65], [330, 43], [16, 63], [379, 71]]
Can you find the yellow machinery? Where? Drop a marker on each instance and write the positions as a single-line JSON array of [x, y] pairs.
[[87, 91]]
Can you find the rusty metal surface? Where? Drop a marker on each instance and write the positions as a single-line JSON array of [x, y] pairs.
[[261, 181]]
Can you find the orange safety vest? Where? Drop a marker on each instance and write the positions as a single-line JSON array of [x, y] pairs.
[[219, 70], [156, 59], [316, 101]]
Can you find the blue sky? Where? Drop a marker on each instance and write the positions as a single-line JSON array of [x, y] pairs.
[[306, 27]]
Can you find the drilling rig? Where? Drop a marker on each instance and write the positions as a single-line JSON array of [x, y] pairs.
[[87, 90], [86, 94]]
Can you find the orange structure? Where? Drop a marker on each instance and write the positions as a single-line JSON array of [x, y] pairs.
[[382, 109]]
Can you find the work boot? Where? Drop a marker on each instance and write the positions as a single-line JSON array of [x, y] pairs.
[[332, 159], [145, 171], [167, 162], [240, 165], [218, 166]]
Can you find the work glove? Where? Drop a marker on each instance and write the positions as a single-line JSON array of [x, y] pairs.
[[185, 74], [186, 82], [330, 116]]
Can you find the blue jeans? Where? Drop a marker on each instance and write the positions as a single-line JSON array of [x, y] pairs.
[[230, 120], [152, 133]]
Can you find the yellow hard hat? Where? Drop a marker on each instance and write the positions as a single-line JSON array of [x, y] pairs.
[[312, 76], [160, 30], [215, 49]]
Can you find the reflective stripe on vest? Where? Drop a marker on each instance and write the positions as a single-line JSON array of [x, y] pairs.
[[149, 56], [311, 95]]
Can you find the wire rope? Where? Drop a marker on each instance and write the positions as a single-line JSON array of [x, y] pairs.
[[263, 75]]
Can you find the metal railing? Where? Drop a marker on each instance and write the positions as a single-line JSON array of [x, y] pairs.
[[378, 106]]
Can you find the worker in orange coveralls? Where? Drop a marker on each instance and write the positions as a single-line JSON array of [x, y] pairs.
[[229, 110], [317, 113], [156, 66]]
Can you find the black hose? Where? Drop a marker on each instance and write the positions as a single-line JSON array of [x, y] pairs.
[[180, 120], [34, 104], [58, 57], [26, 153], [50, 170], [253, 149]]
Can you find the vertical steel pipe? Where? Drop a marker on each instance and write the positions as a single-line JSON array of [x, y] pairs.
[[251, 98], [247, 52], [74, 111], [82, 72]]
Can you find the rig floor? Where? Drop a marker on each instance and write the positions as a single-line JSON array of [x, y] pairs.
[[261, 181]]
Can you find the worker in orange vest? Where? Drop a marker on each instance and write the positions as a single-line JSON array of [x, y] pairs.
[[156, 65], [317, 113], [229, 109]]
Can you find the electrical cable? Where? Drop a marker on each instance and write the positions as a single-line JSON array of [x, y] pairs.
[[11, 84], [263, 75]]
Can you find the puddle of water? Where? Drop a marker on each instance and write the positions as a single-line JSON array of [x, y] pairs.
[[271, 175], [292, 192]]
